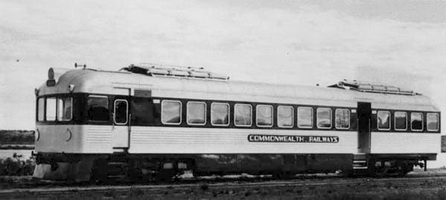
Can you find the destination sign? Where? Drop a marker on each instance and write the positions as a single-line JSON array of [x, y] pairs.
[[293, 138]]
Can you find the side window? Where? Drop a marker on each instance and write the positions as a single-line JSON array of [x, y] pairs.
[[324, 118], [285, 116], [51, 109], [416, 121], [121, 112], [41, 109], [143, 111], [64, 109], [264, 115], [171, 112], [305, 117], [342, 118], [243, 115], [383, 120], [400, 121], [433, 122], [97, 108], [196, 113], [220, 114]]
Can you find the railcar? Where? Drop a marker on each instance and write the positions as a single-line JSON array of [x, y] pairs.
[[154, 121]]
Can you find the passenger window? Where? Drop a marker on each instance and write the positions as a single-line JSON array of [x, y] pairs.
[[305, 117], [324, 118], [121, 112], [143, 111], [400, 121], [433, 121], [342, 119], [196, 113], [171, 112], [383, 120], [64, 108], [220, 114], [416, 121], [41, 109], [51, 109], [97, 108], [243, 115], [285, 116], [264, 115]]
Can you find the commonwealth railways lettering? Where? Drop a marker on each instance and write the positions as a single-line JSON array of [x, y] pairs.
[[293, 138]]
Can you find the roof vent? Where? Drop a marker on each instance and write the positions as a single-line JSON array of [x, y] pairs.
[[372, 88], [174, 71]]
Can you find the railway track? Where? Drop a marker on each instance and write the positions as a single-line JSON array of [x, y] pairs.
[[418, 180]]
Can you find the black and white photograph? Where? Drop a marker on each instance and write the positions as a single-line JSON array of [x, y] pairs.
[[222, 99]]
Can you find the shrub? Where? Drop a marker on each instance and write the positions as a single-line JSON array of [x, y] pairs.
[[17, 166]]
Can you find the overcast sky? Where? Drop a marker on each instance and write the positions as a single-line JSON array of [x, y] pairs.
[[400, 43]]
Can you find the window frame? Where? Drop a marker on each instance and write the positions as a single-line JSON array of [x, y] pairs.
[[108, 108], [55, 109], [394, 119], [311, 118], [331, 118], [272, 115], [187, 113], [278, 118], [63, 112], [438, 122], [126, 114], [180, 114], [228, 115], [348, 120], [422, 122], [390, 120], [43, 111], [235, 115]]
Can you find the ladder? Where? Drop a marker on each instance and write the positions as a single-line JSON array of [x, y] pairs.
[[360, 162]]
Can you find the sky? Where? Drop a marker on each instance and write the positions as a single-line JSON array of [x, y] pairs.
[[301, 42]]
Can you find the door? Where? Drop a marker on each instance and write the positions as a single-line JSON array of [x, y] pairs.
[[364, 127], [121, 120]]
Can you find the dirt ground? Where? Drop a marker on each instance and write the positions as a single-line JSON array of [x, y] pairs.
[[417, 185]]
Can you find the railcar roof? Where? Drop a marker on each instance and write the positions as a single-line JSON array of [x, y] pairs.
[[105, 82]]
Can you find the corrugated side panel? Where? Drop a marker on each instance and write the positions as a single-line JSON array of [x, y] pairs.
[[74, 139], [389, 143], [98, 139], [215, 140]]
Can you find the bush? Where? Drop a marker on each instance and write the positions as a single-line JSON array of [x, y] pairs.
[[16, 166]]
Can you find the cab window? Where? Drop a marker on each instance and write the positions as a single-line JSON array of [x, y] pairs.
[[51, 109], [64, 109], [41, 109]]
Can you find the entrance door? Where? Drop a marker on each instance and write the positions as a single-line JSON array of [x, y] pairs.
[[364, 127], [121, 120]]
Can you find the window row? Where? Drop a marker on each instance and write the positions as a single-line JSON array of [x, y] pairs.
[[401, 121], [243, 117], [55, 109]]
